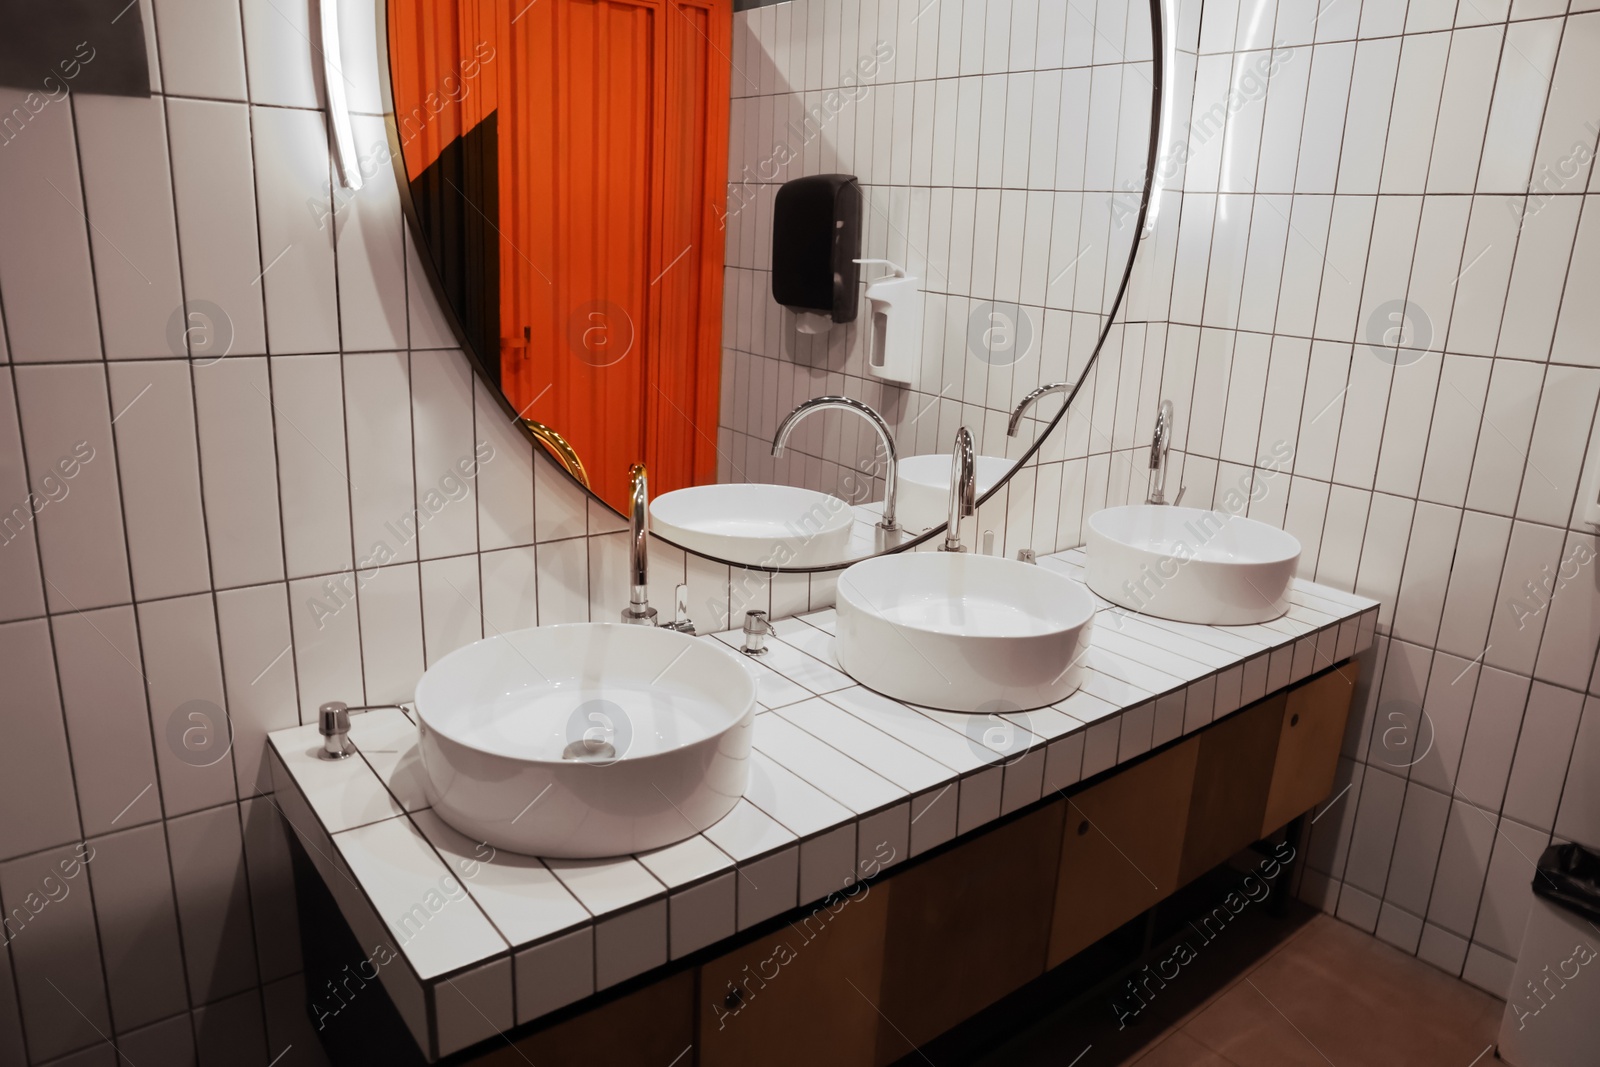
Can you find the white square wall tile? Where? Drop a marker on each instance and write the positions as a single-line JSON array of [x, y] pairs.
[[282, 47], [213, 178], [183, 678], [369, 236], [313, 471], [102, 688], [292, 173], [238, 456], [442, 419], [45, 269], [38, 773], [128, 183], [213, 903], [66, 424], [258, 667], [202, 48], [158, 456], [377, 413], [68, 957], [138, 923], [21, 588]]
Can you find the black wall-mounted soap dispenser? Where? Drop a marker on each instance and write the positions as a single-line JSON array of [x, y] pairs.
[[816, 239]]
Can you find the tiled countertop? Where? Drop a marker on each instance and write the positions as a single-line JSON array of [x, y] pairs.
[[843, 783]]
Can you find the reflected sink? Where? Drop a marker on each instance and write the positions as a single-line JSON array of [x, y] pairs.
[[1189, 564], [962, 632], [587, 739], [756, 523], [924, 500]]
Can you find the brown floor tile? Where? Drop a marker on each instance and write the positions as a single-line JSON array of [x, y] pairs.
[[1337, 995], [1181, 1050]]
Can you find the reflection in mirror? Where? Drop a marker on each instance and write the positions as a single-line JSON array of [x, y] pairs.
[[778, 255]]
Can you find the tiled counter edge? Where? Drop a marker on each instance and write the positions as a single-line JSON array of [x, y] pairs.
[[844, 783]]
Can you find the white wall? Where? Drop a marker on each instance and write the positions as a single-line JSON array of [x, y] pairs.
[[1388, 159]]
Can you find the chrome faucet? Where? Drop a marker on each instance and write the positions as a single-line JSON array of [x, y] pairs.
[[639, 612], [844, 403], [1158, 455], [1030, 400], [963, 489]]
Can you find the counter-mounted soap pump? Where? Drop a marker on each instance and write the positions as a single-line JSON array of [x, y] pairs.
[[894, 332]]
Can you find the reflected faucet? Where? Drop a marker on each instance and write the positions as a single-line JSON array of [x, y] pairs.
[[1158, 455], [844, 403], [639, 612], [1030, 400], [963, 489]]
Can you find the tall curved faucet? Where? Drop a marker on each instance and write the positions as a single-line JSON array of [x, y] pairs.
[[845, 403], [1158, 455], [639, 612], [1030, 400], [963, 489]]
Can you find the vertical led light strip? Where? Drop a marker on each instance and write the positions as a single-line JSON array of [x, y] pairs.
[[1169, 53], [344, 139]]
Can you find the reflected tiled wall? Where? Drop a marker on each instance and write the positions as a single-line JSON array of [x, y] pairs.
[[1345, 159], [1000, 148]]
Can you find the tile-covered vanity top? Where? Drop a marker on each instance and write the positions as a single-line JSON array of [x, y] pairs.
[[843, 783]]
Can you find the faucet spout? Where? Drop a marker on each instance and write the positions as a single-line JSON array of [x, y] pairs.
[[1159, 445], [639, 612], [963, 489], [1030, 400], [845, 403]]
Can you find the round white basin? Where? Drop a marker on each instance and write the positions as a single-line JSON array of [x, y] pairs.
[[1190, 565], [962, 632], [755, 523], [587, 739], [924, 498]]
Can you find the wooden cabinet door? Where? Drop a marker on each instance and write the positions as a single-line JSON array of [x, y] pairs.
[[1121, 848], [1231, 777], [1308, 745], [966, 928], [650, 1025], [803, 995]]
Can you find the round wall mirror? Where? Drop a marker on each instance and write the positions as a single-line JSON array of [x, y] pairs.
[[779, 256]]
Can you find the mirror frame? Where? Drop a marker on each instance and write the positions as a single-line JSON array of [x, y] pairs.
[[1158, 33]]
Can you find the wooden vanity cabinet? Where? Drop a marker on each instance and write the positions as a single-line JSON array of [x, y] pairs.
[[1233, 774], [967, 927], [1309, 739], [1121, 848], [804, 994], [649, 1025]]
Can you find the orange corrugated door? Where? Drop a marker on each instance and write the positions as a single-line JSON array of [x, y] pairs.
[[581, 138], [684, 361], [612, 129]]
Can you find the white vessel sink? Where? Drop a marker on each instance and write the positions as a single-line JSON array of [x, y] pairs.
[[1190, 565], [924, 500], [756, 523], [588, 739], [962, 632]]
